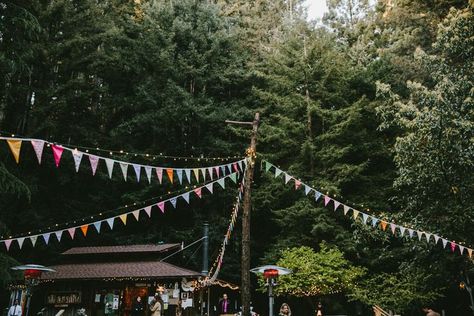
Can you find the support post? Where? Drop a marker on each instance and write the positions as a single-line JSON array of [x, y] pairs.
[[205, 249]]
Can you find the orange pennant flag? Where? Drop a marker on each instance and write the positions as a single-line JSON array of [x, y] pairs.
[[384, 225], [15, 146], [84, 229], [124, 218], [170, 174]]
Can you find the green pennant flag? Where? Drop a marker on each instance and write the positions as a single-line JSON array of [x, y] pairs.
[[267, 166], [233, 177]]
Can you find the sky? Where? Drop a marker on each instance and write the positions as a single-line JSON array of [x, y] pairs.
[[316, 8]]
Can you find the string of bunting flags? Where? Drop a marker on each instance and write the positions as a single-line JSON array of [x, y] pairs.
[[172, 173], [110, 221], [367, 219]]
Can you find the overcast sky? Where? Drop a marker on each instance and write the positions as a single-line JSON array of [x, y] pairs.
[[316, 8]]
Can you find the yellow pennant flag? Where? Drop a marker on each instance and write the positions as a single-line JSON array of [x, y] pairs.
[[15, 146], [84, 229], [124, 218]]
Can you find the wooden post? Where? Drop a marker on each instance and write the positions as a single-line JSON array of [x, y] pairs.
[[247, 206]]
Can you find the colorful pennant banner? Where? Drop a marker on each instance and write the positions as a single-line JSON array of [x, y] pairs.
[[367, 219], [85, 227], [94, 161]]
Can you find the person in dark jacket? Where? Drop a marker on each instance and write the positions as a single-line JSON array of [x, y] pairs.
[[225, 307], [137, 307]]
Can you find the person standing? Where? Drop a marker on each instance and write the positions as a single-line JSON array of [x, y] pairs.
[[319, 309], [430, 312], [137, 307], [285, 310], [15, 309], [156, 306], [224, 305]]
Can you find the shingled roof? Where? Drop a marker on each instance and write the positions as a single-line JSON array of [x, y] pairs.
[[104, 270], [145, 248]]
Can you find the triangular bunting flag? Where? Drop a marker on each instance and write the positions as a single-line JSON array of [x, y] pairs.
[[411, 232], [38, 146], [123, 217], [20, 241], [267, 166], [240, 164], [33, 240], [374, 221], [233, 177], [327, 199], [211, 174], [46, 237], [110, 221], [15, 145], [445, 242], [210, 187], [173, 202], [236, 167], [196, 174], [138, 169], [393, 227], [110, 166], [336, 205], [317, 195], [427, 237], [148, 173], [179, 173], [71, 232], [307, 189], [170, 174], [221, 182], [222, 170], [469, 252], [384, 225], [136, 214], [58, 234], [229, 168], [124, 167], [420, 234], [453, 246], [402, 230], [187, 172], [297, 184], [198, 192], [94, 160], [436, 238], [203, 171], [7, 243], [365, 217], [57, 153], [278, 171], [159, 174], [355, 214], [161, 205], [77, 155], [97, 226], [148, 210], [186, 197], [461, 249], [84, 229], [287, 177], [346, 209], [218, 171]]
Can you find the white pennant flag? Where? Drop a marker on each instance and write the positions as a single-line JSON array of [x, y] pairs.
[[94, 160], [77, 155], [420, 234], [46, 237], [240, 165], [110, 166], [138, 169], [307, 189], [210, 187], [58, 234], [461, 249], [427, 237], [110, 221], [187, 172], [33, 240], [203, 171], [346, 209], [436, 238], [38, 146], [402, 230], [124, 167], [148, 173], [287, 177], [445, 242], [365, 217], [410, 232], [277, 172], [20, 241]]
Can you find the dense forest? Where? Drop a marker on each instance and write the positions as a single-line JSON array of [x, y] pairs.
[[374, 105]]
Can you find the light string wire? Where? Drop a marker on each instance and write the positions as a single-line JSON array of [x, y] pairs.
[[185, 196], [111, 211], [75, 153], [121, 152], [375, 220]]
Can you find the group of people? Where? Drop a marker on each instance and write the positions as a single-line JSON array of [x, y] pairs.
[[285, 310], [156, 307]]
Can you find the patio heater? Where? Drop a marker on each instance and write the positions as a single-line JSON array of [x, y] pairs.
[[32, 274], [270, 274]]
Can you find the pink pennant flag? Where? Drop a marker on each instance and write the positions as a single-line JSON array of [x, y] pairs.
[[72, 231], [210, 173], [453, 246], [38, 146], [159, 174], [8, 242], [148, 210], [393, 227], [161, 205], [57, 153], [327, 199], [94, 160], [198, 192], [217, 170], [297, 184], [235, 167], [336, 205]]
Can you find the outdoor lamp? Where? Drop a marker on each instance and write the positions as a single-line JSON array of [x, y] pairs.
[[270, 274]]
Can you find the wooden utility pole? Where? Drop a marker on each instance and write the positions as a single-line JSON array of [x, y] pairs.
[[247, 205]]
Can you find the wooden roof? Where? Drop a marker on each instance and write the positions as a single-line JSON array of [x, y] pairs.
[[144, 248]]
